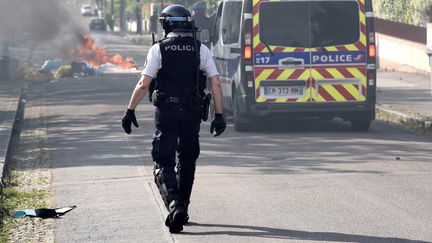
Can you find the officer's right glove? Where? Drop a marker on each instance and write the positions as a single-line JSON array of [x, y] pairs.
[[218, 125], [128, 119]]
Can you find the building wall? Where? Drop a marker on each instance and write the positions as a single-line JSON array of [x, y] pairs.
[[395, 50], [400, 45]]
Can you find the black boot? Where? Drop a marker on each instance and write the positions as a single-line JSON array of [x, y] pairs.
[[186, 219], [176, 217]]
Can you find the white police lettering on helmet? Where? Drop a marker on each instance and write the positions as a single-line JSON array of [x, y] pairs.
[[332, 58], [179, 48]]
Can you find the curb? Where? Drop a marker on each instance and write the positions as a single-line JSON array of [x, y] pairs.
[[418, 123], [11, 124]]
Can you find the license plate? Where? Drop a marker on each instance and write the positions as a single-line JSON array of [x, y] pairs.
[[283, 91]]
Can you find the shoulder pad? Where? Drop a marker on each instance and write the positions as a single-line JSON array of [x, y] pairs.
[[165, 40]]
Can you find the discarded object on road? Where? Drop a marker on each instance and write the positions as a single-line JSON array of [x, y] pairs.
[[64, 71], [51, 64], [44, 212], [112, 70], [79, 68], [90, 70]]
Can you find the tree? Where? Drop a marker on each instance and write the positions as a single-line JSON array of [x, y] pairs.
[[414, 12]]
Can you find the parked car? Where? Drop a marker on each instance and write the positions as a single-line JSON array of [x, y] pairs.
[[98, 24], [310, 58], [86, 10]]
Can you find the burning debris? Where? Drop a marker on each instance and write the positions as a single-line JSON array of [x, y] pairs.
[[90, 60], [97, 56]]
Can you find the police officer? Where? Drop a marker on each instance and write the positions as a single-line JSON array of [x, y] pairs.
[[201, 20], [173, 62]]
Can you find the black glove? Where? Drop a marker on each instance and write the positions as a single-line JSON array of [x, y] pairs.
[[127, 119], [218, 125]]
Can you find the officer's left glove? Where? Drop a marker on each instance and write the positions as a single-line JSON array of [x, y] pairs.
[[128, 119], [218, 125]]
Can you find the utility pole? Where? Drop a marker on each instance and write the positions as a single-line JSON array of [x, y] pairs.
[[429, 44], [112, 9], [138, 17], [122, 15], [103, 8], [159, 29]]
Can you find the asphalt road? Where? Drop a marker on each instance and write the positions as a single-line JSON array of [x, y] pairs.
[[298, 180], [408, 92]]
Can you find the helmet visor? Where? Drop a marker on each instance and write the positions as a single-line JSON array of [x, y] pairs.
[[173, 19]]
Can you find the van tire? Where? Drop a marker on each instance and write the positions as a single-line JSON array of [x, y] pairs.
[[360, 125], [239, 126]]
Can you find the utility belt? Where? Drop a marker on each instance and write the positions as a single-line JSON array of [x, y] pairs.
[[173, 100], [199, 103]]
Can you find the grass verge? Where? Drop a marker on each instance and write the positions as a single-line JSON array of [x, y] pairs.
[[14, 199], [413, 122]]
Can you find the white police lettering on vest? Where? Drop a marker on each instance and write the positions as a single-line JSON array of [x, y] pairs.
[[179, 48], [332, 58]]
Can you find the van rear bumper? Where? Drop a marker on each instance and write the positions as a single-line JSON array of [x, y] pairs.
[[347, 111]]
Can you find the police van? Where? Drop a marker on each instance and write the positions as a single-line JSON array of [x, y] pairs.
[[306, 58]]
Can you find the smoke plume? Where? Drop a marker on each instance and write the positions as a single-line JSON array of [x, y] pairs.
[[47, 22]]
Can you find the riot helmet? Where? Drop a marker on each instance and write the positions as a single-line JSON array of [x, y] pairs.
[[176, 18]]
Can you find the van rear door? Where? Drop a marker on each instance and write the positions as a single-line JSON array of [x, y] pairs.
[[338, 53], [309, 51], [281, 55]]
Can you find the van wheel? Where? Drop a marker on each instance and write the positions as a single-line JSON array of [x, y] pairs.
[[239, 126], [360, 125]]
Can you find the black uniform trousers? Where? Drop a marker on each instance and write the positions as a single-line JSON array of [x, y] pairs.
[[177, 130]]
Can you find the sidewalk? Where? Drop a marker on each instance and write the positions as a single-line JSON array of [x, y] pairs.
[[9, 98], [405, 98]]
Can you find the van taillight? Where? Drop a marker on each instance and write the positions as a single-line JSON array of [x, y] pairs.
[[247, 52], [372, 50]]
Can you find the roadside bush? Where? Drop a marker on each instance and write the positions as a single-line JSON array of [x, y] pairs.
[[415, 12], [30, 74]]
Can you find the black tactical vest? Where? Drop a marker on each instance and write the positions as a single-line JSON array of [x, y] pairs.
[[177, 76]]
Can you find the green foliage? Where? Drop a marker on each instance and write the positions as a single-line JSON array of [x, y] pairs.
[[130, 7], [211, 4], [415, 12]]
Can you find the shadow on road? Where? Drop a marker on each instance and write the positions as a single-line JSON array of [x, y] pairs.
[[274, 233], [84, 130]]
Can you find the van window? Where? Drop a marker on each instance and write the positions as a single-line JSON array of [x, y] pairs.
[[334, 23], [284, 23], [231, 17], [216, 23], [309, 24]]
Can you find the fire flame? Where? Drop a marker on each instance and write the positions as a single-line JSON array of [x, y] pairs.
[[96, 55]]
